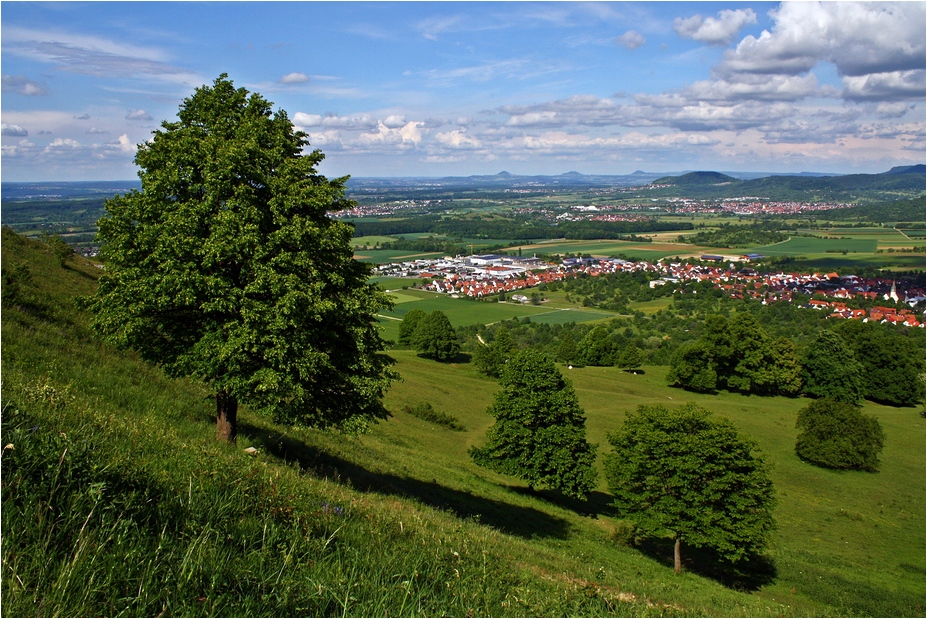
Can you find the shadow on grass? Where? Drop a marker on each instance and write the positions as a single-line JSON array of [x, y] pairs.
[[748, 575], [596, 504], [523, 522]]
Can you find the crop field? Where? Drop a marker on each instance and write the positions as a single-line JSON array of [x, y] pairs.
[[611, 248], [383, 256], [805, 246], [464, 312], [361, 241]]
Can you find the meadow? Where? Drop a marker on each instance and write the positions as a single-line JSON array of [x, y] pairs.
[[118, 501], [464, 312]]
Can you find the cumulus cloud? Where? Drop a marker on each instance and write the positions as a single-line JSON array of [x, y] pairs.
[[11, 130], [631, 40], [63, 145], [714, 31], [409, 134], [124, 144], [138, 115], [84, 116], [458, 139], [889, 85], [294, 78], [858, 38], [23, 86], [757, 87], [96, 131]]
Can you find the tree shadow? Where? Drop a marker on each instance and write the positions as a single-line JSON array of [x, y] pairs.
[[596, 504], [523, 522], [748, 575]]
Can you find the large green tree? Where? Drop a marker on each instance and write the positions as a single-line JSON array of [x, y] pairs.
[[830, 369], [540, 430], [687, 474], [435, 337], [409, 324], [837, 435], [227, 267]]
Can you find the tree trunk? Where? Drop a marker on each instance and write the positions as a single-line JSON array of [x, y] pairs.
[[677, 557], [226, 417]]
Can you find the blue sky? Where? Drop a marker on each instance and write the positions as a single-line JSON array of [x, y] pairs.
[[444, 88]]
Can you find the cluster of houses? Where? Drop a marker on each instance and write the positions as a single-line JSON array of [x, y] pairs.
[[482, 276], [751, 206]]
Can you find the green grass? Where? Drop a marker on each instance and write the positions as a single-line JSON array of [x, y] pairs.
[[117, 500], [803, 246]]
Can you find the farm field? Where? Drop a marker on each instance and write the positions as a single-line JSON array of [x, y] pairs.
[[464, 312], [611, 248], [383, 256]]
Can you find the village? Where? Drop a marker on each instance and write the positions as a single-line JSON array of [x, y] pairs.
[[481, 276]]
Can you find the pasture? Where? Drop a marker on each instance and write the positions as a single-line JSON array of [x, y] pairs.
[[852, 542]]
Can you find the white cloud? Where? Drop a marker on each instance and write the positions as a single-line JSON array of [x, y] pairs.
[[125, 144], [458, 139], [294, 78], [63, 144], [631, 40], [23, 86], [890, 85], [138, 115], [714, 31], [96, 131], [858, 38], [10, 130], [757, 87], [394, 121]]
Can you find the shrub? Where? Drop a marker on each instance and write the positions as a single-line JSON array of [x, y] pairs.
[[426, 412]]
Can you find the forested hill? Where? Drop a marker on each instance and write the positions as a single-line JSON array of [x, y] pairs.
[[696, 178], [901, 181]]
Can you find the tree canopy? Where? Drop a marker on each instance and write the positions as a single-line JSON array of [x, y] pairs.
[[685, 473], [226, 267], [837, 435], [434, 337], [738, 355], [540, 430], [830, 369]]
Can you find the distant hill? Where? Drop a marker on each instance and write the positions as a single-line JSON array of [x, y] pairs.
[[696, 178], [908, 169], [898, 182]]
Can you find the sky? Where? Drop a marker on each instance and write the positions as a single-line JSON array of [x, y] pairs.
[[455, 89]]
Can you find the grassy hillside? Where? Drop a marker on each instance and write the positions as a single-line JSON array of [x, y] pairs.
[[117, 500]]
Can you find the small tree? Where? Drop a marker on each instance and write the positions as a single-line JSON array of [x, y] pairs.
[[435, 338], [631, 358], [692, 368], [227, 267], [540, 430], [688, 474], [837, 435], [409, 324], [830, 370], [566, 352]]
